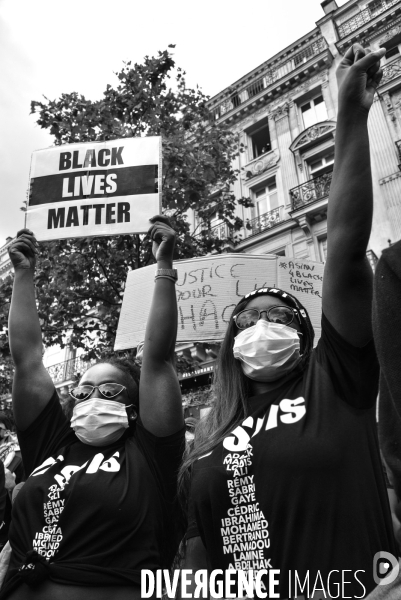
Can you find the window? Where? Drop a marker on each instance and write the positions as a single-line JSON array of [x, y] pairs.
[[313, 111], [259, 139], [323, 249], [319, 166], [392, 52], [376, 7], [235, 99], [255, 88], [266, 199], [218, 228], [280, 252]]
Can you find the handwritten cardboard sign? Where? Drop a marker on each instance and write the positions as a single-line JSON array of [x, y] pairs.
[[209, 288], [96, 188]]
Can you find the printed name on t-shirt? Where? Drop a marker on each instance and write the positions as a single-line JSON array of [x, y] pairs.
[[47, 541], [245, 529]]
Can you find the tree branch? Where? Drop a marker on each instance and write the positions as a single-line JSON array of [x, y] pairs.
[[105, 274]]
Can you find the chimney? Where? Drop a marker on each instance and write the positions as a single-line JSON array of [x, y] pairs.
[[329, 6]]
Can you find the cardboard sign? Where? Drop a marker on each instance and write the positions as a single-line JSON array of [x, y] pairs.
[[208, 289], [96, 188]]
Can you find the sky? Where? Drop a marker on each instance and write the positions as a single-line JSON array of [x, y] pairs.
[[48, 47]]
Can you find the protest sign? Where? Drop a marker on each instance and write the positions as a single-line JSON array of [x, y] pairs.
[[96, 188], [209, 288]]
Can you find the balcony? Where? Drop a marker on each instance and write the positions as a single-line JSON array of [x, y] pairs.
[[391, 71], [271, 76], [265, 221], [221, 231], [364, 17], [311, 191], [68, 369]]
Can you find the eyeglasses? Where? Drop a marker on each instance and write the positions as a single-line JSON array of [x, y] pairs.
[[108, 390], [284, 315]]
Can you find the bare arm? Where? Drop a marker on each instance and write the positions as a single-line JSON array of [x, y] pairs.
[[160, 405], [32, 385], [348, 279]]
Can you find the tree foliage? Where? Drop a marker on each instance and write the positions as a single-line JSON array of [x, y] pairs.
[[80, 282]]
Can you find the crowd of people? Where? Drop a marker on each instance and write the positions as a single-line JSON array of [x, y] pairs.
[[285, 472]]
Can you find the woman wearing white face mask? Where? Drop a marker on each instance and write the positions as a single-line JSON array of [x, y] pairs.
[[99, 504], [285, 471]]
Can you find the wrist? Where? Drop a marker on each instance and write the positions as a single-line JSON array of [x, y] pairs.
[[352, 115], [24, 272], [164, 263]]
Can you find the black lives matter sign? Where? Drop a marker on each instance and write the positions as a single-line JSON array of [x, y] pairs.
[[91, 189]]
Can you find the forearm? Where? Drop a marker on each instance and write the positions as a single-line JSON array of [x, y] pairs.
[[24, 327], [161, 328], [351, 196]]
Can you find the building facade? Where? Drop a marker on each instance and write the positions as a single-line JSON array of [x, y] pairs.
[[284, 113], [5, 263]]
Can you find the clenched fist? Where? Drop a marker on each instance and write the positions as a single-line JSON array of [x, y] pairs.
[[23, 250]]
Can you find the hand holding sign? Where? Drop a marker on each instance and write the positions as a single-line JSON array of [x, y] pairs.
[[95, 188], [23, 250], [163, 236]]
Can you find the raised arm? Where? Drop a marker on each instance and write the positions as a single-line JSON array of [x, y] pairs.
[[160, 405], [32, 386], [347, 286]]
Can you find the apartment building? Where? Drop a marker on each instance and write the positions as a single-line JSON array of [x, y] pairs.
[[284, 113], [5, 262]]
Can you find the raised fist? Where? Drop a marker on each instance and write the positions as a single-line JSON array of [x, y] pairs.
[[163, 237], [358, 77], [23, 250]]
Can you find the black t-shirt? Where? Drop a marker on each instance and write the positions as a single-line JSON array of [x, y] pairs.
[[98, 514], [299, 485], [4, 508]]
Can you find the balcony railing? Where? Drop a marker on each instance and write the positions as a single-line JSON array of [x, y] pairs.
[[363, 17], [68, 369], [222, 231], [311, 191], [264, 221], [391, 71], [271, 75]]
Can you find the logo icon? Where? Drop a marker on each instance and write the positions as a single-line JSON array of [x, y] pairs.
[[385, 568]]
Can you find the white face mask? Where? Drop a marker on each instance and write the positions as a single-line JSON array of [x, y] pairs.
[[99, 422], [267, 351]]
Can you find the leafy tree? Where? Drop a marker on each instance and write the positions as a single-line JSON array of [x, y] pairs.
[[80, 282], [6, 368]]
